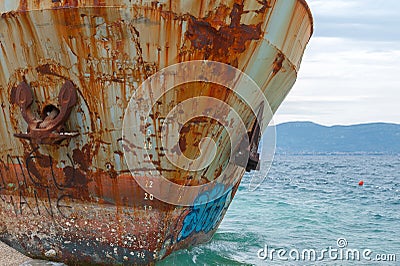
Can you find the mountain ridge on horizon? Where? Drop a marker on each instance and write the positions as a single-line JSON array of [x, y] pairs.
[[309, 137], [338, 125]]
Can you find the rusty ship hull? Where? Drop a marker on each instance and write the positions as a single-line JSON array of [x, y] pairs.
[[68, 70]]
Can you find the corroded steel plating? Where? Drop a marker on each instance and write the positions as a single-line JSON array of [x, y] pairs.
[[72, 66]]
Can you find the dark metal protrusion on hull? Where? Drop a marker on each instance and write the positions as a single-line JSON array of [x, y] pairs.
[[255, 137]]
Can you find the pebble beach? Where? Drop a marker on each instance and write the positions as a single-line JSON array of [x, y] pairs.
[[11, 257]]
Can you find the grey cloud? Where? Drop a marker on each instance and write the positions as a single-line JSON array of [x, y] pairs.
[[362, 19]]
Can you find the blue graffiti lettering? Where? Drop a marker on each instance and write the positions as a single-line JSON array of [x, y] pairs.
[[205, 215]]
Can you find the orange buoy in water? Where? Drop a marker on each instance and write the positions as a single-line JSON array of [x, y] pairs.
[[361, 183]]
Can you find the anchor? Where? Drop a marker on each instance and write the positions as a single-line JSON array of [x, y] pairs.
[[247, 155], [49, 129], [255, 136]]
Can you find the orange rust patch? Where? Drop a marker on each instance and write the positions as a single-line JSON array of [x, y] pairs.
[[278, 63], [227, 42]]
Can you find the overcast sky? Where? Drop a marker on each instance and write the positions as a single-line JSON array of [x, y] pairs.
[[351, 68]]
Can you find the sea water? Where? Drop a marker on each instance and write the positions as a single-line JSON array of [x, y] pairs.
[[311, 203], [310, 210]]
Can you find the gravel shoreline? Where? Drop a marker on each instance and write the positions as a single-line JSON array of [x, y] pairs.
[[11, 257]]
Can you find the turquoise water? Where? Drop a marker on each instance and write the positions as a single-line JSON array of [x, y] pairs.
[[310, 202]]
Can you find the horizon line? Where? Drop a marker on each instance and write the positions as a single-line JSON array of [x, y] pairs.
[[338, 125]]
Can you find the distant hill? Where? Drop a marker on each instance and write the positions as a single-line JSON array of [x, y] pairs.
[[308, 137]]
